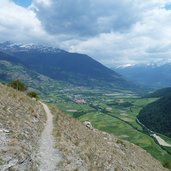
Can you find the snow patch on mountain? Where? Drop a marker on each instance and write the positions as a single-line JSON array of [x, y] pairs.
[[4, 46]]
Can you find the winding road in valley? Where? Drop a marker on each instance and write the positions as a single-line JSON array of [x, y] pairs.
[[161, 141], [48, 156], [158, 138]]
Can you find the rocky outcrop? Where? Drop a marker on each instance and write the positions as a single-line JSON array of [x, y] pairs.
[[88, 124]]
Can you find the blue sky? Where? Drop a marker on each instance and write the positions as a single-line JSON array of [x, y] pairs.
[[114, 32], [23, 3], [168, 6]]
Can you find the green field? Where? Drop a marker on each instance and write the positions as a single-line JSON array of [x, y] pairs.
[[114, 113]]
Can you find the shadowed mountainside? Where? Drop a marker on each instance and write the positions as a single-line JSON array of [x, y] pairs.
[[60, 65], [157, 115]]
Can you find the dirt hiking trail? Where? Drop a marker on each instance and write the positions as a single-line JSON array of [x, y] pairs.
[[48, 156]]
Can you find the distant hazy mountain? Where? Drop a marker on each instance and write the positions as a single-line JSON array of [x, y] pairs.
[[157, 115], [160, 93], [156, 76], [73, 68]]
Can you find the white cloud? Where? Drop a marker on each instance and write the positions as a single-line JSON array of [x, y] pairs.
[[42, 3], [80, 18], [113, 32], [149, 40], [19, 24]]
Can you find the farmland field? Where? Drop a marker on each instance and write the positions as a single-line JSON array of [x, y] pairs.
[[113, 112]]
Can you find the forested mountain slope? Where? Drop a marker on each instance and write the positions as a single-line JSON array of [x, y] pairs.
[[157, 115]]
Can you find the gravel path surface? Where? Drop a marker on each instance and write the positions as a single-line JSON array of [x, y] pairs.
[[49, 157]]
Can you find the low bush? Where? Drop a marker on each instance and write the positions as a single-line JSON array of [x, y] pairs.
[[18, 85], [32, 94]]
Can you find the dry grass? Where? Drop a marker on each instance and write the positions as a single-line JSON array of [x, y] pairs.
[[86, 149], [24, 119]]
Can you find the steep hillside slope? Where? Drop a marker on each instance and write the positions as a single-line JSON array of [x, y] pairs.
[[73, 68], [10, 71], [157, 115], [89, 149], [21, 122], [42, 84]]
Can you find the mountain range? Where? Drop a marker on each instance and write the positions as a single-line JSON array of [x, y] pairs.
[[150, 75], [73, 68]]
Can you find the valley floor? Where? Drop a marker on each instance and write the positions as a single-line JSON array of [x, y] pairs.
[[113, 112]]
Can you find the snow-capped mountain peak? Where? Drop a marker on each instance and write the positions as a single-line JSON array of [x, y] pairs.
[[25, 47]]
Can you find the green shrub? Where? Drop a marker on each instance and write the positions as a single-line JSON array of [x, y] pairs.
[[32, 94], [166, 164], [18, 85]]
